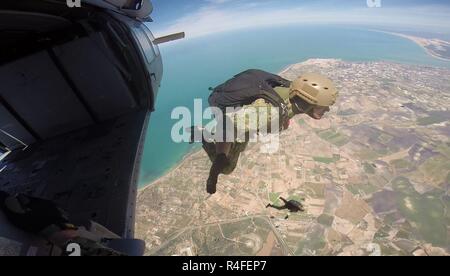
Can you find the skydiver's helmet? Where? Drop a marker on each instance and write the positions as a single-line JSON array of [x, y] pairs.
[[312, 90]]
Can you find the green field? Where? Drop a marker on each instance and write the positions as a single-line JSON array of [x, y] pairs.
[[325, 220], [313, 243], [426, 212], [295, 197], [276, 176], [301, 122], [315, 190], [444, 149], [328, 160], [430, 120], [333, 137], [400, 164], [385, 138], [368, 154], [274, 198], [237, 228], [362, 188], [368, 168], [436, 169], [347, 112]]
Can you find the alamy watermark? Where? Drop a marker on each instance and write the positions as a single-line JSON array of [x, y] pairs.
[[73, 250], [374, 3], [234, 124], [73, 3]]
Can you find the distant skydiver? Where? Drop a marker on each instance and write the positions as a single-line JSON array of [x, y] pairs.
[[292, 205], [311, 94]]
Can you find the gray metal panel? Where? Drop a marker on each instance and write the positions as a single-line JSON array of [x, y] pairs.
[[91, 172], [11, 126], [92, 68], [37, 91]]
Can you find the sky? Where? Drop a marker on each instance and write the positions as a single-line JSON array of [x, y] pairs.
[[203, 17]]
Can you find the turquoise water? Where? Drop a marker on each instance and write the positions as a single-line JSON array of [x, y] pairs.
[[193, 65]]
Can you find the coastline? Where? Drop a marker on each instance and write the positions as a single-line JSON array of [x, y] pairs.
[[285, 69], [422, 42], [185, 159], [195, 151]]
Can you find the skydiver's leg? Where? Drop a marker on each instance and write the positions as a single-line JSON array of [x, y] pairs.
[[217, 153], [227, 155], [220, 162], [276, 207], [223, 148], [233, 157], [210, 149], [224, 164]]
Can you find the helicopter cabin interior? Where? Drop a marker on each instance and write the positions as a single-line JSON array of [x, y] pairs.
[[74, 108]]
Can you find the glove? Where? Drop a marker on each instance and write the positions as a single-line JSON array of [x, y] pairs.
[[220, 163], [33, 214]]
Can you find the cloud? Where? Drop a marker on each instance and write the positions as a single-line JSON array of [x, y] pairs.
[[222, 15]]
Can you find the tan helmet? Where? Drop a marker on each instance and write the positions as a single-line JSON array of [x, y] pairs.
[[315, 89]]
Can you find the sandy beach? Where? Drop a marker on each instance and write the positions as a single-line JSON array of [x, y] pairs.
[[422, 42]]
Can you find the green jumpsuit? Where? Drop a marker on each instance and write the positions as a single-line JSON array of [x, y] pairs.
[[259, 106]]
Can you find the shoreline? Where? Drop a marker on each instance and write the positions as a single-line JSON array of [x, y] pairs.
[[194, 151], [185, 158], [417, 40], [285, 69]]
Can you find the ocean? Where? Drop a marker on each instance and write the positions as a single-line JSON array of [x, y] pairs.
[[193, 65]]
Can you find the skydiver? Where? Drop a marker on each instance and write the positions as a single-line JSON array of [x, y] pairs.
[[311, 94], [292, 205]]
